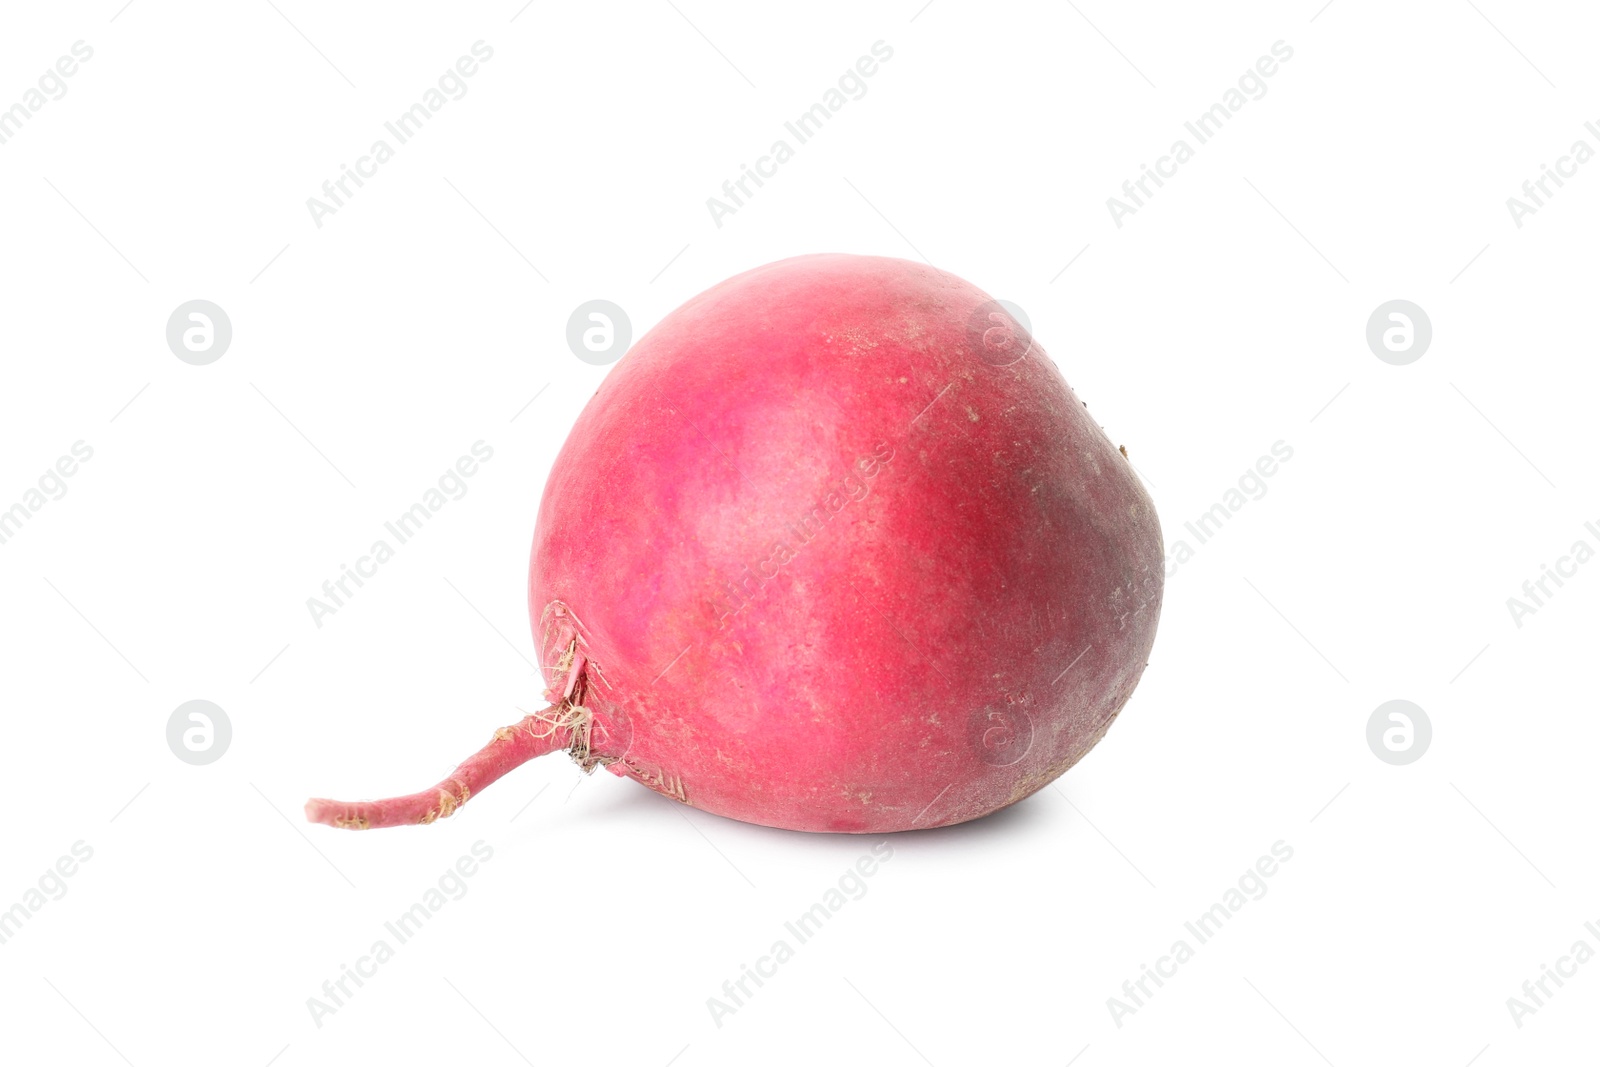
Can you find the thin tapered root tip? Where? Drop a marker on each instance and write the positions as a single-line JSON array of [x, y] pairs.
[[510, 747], [440, 802], [346, 815]]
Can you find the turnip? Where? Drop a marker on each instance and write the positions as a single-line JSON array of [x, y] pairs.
[[833, 548]]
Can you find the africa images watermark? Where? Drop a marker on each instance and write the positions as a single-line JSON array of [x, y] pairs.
[[451, 885], [52, 885], [851, 885], [1203, 128], [1536, 991], [806, 126], [784, 547], [1210, 923], [1211, 521], [1537, 190], [52, 485], [52, 85], [403, 128], [403, 528], [1566, 566]]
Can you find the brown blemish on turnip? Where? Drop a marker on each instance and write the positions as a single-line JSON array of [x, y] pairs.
[[662, 781], [448, 802]]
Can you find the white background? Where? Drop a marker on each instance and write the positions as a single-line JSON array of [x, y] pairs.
[[368, 354]]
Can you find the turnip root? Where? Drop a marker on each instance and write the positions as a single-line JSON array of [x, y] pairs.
[[833, 548]]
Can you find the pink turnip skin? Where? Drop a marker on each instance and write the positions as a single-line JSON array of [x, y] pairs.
[[833, 548]]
